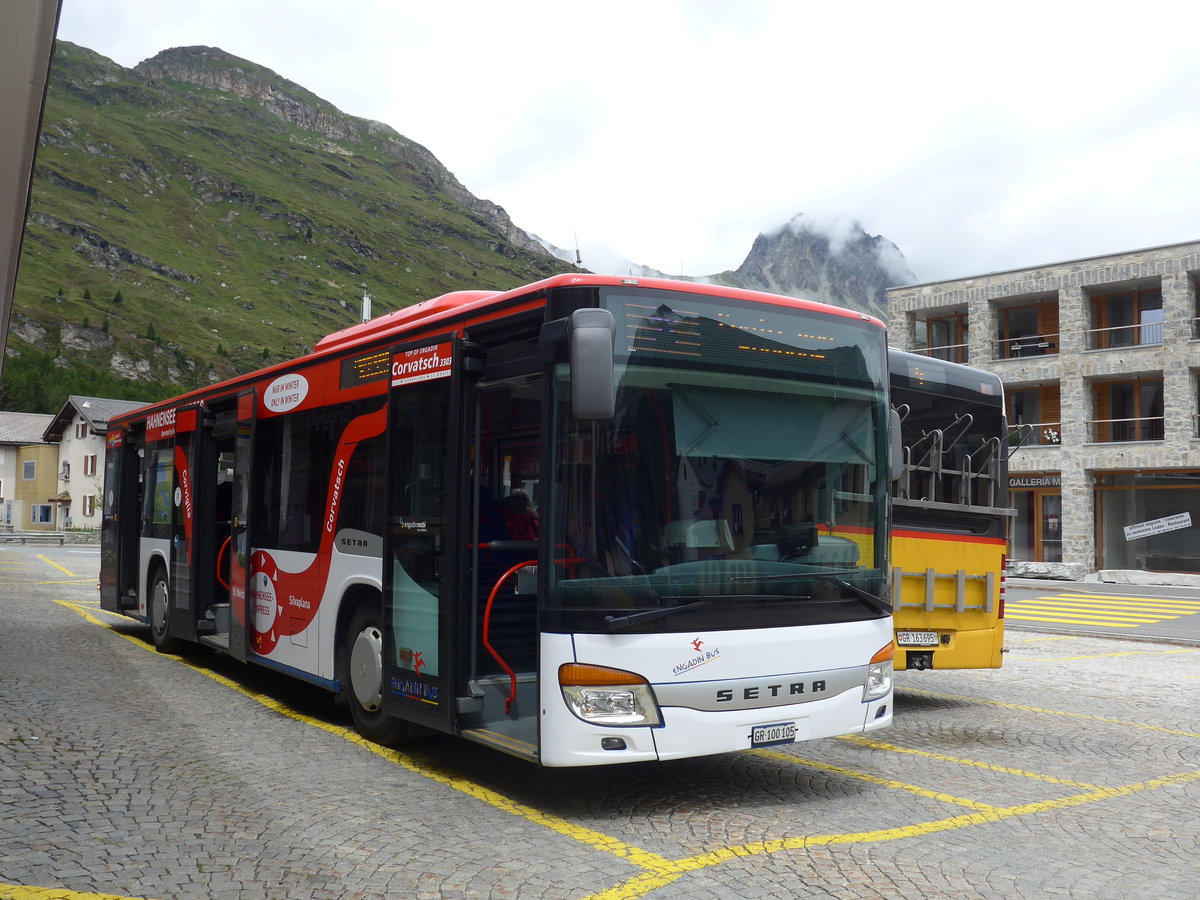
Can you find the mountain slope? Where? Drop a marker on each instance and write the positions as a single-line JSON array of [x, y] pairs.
[[199, 215]]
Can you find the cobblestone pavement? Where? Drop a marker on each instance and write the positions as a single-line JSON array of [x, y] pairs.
[[1074, 771]]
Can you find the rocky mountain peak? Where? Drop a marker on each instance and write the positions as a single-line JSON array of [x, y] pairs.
[[834, 262]]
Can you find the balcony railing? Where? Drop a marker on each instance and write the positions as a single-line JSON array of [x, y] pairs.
[[1125, 336], [1028, 345], [1038, 433], [950, 352], [1149, 428]]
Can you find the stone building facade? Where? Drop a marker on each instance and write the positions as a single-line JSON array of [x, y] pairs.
[[1100, 359]]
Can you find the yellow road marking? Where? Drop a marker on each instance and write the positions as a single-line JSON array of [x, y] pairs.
[[864, 741], [17, 892], [874, 779], [51, 562], [1157, 601], [659, 870], [1111, 656], [643, 884], [60, 581]]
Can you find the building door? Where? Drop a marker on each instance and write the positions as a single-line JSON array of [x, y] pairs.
[[1037, 529]]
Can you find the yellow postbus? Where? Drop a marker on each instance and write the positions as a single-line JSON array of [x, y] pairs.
[[949, 515]]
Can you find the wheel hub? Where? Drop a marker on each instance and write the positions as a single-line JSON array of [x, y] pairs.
[[366, 668]]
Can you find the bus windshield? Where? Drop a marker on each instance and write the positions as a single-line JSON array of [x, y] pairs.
[[742, 481]]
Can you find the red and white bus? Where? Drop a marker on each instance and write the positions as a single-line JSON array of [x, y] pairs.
[[589, 520]]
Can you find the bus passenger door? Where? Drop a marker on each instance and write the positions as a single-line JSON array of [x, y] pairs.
[[119, 528], [238, 550], [424, 490], [186, 581]]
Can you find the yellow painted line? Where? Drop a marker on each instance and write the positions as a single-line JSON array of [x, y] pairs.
[[874, 779], [51, 562], [1057, 609], [38, 581], [1158, 601], [17, 892], [1104, 609], [864, 741], [1072, 620], [1065, 713], [644, 884]]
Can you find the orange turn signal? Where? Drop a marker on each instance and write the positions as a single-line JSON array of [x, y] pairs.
[[583, 674]]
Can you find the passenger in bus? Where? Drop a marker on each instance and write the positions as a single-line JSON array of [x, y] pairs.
[[520, 518]]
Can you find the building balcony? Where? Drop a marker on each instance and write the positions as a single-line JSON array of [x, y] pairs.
[[1037, 434], [1104, 431], [1026, 346], [1147, 334], [956, 353]]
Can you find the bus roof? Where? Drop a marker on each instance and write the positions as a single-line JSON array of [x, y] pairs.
[[460, 305]]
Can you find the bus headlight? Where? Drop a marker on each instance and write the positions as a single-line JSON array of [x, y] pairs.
[[604, 696], [879, 674]]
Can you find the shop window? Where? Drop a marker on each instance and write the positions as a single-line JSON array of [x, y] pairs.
[[1148, 521], [1028, 331], [1128, 410], [1128, 319]]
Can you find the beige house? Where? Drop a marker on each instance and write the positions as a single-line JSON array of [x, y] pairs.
[[78, 431], [21, 470], [1100, 359]]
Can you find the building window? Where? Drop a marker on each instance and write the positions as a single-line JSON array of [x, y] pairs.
[[1148, 521], [65, 474], [1038, 408], [946, 337], [29, 470], [41, 513], [1126, 320], [81, 430], [89, 505], [1128, 410], [1028, 331], [89, 464]]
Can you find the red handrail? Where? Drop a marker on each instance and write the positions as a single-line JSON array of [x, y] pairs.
[[221, 581], [487, 622]]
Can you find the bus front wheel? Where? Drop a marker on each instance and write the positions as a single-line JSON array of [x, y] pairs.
[[160, 599], [362, 653]]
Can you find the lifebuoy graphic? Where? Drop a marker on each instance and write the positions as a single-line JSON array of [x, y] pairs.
[[285, 603]]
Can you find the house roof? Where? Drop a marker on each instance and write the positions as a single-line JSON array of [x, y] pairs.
[[23, 428], [96, 411]]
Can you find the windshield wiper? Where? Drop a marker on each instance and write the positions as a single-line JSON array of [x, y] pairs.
[[878, 604], [615, 623]]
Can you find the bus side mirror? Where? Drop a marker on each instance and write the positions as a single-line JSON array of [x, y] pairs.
[[590, 337], [897, 444]]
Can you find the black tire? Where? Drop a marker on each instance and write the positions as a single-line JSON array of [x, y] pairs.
[[159, 611], [362, 678]]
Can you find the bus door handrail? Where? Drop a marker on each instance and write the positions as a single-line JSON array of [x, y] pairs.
[[220, 553], [487, 622], [486, 636]]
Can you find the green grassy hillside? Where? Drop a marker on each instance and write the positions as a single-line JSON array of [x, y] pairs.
[[200, 216]]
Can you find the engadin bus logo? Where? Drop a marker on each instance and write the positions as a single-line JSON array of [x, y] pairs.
[[285, 393], [700, 658]]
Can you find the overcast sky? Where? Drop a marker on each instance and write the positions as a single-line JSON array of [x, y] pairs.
[[976, 137]]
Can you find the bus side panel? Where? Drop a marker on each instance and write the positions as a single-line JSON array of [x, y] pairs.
[[970, 639]]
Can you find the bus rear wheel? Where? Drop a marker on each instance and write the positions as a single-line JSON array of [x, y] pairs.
[[362, 676], [160, 600]]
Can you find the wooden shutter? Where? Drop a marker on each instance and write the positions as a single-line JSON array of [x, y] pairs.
[[1047, 325], [1051, 411], [1100, 395]]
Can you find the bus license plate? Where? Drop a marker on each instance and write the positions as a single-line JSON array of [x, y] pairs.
[[917, 638], [766, 735]]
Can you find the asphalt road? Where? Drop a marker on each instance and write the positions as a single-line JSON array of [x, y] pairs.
[[1074, 771]]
